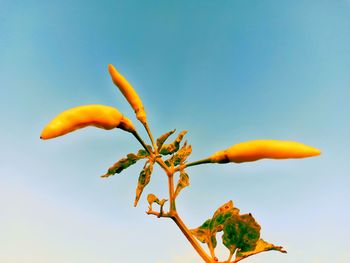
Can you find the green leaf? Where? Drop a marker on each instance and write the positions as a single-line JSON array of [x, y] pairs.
[[143, 153], [163, 138], [241, 232], [261, 246], [124, 163], [174, 146], [208, 230], [169, 162], [202, 233], [219, 219], [220, 216], [213, 241], [144, 179], [183, 182]]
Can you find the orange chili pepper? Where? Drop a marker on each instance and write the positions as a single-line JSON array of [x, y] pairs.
[[260, 149], [100, 116], [129, 93]]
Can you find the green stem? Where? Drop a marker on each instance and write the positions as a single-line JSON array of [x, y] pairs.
[[171, 193], [137, 136], [203, 161]]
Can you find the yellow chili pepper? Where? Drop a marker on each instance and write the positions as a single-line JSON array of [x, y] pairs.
[[271, 149], [100, 116], [129, 93]]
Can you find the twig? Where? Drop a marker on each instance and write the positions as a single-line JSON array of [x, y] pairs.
[[148, 130], [203, 161], [151, 212], [137, 136]]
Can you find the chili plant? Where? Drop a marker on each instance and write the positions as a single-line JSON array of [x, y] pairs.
[[241, 232]]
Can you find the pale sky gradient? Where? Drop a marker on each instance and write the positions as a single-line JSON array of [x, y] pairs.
[[226, 71]]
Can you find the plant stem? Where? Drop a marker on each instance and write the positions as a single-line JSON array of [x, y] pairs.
[[211, 249], [151, 137], [172, 213], [203, 161], [157, 214], [137, 136], [175, 216], [230, 257], [170, 174], [171, 192], [191, 239]]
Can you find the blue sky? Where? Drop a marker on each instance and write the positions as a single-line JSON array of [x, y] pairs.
[[226, 71]]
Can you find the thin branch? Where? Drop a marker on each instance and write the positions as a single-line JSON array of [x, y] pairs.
[[230, 256], [137, 136], [174, 215], [203, 161], [171, 193], [170, 173], [191, 239], [148, 130], [151, 212], [211, 249], [162, 164]]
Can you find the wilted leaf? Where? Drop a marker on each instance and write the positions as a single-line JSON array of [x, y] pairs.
[[174, 146], [163, 138], [184, 181], [261, 246], [123, 163], [181, 156], [144, 179], [162, 202], [151, 198]]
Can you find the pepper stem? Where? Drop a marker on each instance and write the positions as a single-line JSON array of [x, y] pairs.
[[203, 161], [148, 130], [137, 136]]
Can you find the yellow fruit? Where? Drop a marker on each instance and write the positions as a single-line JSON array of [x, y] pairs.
[[129, 93], [259, 149], [100, 116]]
